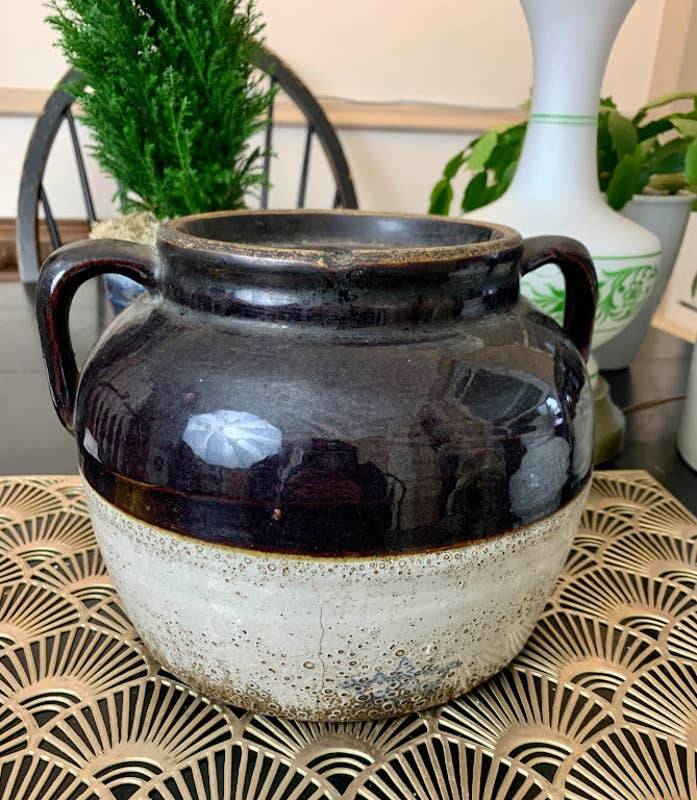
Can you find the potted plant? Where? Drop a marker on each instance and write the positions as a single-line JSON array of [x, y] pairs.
[[647, 168], [171, 97]]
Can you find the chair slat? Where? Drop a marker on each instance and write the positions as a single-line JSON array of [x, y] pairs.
[[50, 220], [337, 199], [305, 166], [267, 149], [82, 172]]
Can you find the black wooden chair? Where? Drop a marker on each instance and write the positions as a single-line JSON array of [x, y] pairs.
[[58, 110]]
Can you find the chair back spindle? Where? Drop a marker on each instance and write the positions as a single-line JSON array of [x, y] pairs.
[[305, 166], [268, 143], [50, 220], [81, 170]]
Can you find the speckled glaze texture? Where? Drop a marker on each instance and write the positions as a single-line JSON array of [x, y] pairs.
[[346, 433], [333, 639]]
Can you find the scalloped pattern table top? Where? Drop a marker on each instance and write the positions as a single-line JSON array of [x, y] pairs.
[[600, 704]]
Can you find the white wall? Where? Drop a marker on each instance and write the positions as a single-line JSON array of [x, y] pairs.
[[464, 52]]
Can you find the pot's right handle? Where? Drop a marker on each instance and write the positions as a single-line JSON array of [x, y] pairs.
[[63, 272], [576, 266]]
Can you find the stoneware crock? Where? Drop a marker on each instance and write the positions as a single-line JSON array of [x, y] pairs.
[[334, 461]]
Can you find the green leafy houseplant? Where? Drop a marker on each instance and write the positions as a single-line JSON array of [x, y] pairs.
[[171, 96], [637, 154]]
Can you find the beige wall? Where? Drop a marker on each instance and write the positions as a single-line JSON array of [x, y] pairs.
[[455, 51], [464, 52]]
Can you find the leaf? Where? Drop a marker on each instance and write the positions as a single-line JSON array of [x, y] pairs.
[[653, 128], [691, 162], [663, 101], [507, 151], [624, 180], [669, 157], [482, 150], [686, 126], [622, 132], [607, 156], [649, 146], [511, 130], [686, 114], [453, 166], [441, 197], [507, 176], [475, 193], [642, 180]]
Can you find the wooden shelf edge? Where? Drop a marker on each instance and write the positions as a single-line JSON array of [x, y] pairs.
[[71, 230], [344, 114]]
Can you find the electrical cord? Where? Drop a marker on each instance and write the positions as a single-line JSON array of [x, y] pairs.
[[651, 404]]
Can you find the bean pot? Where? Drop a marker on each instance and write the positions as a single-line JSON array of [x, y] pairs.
[[334, 461]]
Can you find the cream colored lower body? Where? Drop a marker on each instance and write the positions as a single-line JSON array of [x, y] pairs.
[[332, 638]]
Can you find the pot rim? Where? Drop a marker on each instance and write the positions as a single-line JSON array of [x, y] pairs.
[[173, 232], [688, 197]]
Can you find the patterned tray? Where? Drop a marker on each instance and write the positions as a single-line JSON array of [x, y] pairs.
[[601, 703]]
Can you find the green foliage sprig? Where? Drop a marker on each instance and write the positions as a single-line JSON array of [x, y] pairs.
[[171, 97], [634, 154]]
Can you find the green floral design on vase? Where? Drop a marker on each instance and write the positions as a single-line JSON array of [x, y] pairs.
[[620, 294], [551, 300]]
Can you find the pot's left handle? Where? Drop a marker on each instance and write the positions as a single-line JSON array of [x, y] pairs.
[[63, 272]]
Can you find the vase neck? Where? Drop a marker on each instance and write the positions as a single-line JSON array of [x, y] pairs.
[[571, 43], [558, 160]]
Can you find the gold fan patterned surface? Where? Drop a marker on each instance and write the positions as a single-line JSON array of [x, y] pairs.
[[601, 704]]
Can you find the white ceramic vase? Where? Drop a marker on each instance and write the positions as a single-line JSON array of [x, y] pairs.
[[667, 217], [555, 188]]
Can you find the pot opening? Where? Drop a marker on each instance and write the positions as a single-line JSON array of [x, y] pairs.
[[315, 234]]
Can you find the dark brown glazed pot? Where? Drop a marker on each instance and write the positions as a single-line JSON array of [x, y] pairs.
[[333, 459]]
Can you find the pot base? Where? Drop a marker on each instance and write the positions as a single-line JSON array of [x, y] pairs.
[[332, 638]]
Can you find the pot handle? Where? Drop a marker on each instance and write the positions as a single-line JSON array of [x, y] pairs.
[[63, 272], [576, 266]]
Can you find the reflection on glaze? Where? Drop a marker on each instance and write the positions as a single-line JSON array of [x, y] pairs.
[[232, 439], [542, 474], [581, 422], [261, 297], [90, 444]]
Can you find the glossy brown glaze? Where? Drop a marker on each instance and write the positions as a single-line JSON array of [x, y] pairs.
[[329, 383]]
